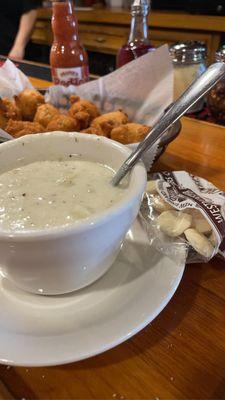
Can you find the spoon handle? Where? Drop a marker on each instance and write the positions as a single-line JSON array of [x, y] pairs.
[[194, 92]]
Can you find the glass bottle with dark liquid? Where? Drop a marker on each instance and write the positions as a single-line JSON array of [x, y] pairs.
[[138, 43]]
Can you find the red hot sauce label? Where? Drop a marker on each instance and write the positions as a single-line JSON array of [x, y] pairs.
[[70, 76]]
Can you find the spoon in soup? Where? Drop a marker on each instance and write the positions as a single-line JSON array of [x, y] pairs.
[[194, 92]]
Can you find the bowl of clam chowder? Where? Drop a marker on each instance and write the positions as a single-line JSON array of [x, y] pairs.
[[61, 221]]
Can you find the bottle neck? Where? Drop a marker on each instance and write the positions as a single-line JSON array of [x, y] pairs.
[[64, 22], [62, 8], [139, 29]]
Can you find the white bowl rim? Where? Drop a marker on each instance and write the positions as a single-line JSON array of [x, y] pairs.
[[86, 223]]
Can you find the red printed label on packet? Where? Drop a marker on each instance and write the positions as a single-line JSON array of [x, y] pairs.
[[70, 76]]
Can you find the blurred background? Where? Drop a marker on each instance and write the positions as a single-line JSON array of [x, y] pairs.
[[104, 26]]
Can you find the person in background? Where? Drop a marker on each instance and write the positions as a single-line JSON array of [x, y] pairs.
[[17, 19]]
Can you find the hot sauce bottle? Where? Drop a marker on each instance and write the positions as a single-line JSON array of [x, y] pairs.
[[68, 58], [138, 43]]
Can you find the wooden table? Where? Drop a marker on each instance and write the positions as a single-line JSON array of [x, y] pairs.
[[181, 355]]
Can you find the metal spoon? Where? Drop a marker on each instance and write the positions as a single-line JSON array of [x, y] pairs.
[[195, 91]]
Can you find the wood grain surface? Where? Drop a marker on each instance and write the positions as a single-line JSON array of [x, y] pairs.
[[40, 83], [181, 355], [158, 19], [106, 30]]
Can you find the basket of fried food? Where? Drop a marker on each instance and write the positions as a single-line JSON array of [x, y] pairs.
[[28, 113]]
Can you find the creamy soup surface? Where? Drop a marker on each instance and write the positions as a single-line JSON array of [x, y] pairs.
[[45, 194]]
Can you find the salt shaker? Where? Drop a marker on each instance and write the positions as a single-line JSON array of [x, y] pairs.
[[216, 98], [189, 61]]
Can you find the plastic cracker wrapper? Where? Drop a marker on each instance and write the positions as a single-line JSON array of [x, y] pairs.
[[184, 216]]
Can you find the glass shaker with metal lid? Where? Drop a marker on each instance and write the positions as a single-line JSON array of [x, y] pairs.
[[216, 98], [189, 61]]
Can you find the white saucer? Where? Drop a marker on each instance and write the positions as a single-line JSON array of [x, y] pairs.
[[38, 330]]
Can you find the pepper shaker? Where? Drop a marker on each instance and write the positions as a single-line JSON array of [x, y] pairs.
[[216, 98], [189, 62]]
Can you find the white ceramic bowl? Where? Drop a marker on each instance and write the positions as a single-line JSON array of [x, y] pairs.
[[63, 259]]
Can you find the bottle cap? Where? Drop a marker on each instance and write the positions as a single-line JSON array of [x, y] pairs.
[[140, 7], [188, 52]]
